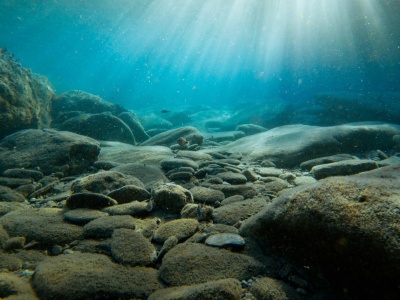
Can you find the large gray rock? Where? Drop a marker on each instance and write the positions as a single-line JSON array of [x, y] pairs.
[[25, 97], [347, 226], [170, 137], [49, 150], [288, 146], [130, 119], [103, 127], [92, 276]]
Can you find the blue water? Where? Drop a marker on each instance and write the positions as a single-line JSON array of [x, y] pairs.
[[167, 54]]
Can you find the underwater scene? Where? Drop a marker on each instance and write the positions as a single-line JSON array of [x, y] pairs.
[[187, 149]]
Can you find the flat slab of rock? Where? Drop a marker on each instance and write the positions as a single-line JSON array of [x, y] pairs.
[[134, 208], [103, 278], [83, 215], [235, 212], [173, 163], [148, 174], [168, 138], [129, 193], [232, 178], [50, 150], [339, 223], [129, 247], [192, 263], [45, 225], [307, 165], [288, 146], [344, 167], [224, 289], [180, 228]]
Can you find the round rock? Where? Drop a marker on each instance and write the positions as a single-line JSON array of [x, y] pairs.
[[232, 178], [83, 215], [171, 197], [104, 227], [89, 200], [181, 229], [206, 195], [129, 193], [224, 240]]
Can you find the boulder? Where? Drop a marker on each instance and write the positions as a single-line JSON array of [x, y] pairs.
[[49, 151], [104, 127], [130, 119], [25, 97], [347, 226], [288, 146]]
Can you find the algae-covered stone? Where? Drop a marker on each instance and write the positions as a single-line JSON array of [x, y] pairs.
[[102, 278], [171, 197], [192, 263], [180, 228], [104, 227]]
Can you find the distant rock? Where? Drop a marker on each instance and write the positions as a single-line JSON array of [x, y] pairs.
[[84, 102], [168, 138], [288, 146], [146, 173], [104, 182], [48, 150], [102, 127], [224, 136], [111, 280], [346, 226], [152, 121], [25, 97], [130, 119]]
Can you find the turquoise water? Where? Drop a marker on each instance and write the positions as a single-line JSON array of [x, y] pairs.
[[169, 54]]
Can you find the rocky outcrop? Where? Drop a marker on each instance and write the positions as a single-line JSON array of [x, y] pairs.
[[25, 97]]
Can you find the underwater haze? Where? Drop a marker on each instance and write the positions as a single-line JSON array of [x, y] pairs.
[[167, 54]]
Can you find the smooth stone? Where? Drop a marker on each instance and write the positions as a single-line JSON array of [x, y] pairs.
[[224, 289], [45, 226], [134, 208], [170, 243], [14, 243], [171, 197], [89, 200], [24, 173], [307, 165], [9, 195], [231, 190], [274, 184], [172, 163], [225, 240], [180, 228], [103, 279], [103, 126], [193, 155], [129, 193], [232, 199], [302, 180], [49, 150], [233, 213], [129, 247], [233, 178], [250, 175], [270, 288], [104, 182], [104, 227], [268, 172], [225, 136], [83, 215], [168, 138], [193, 263], [206, 195], [146, 173], [180, 176], [344, 167], [219, 228]]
